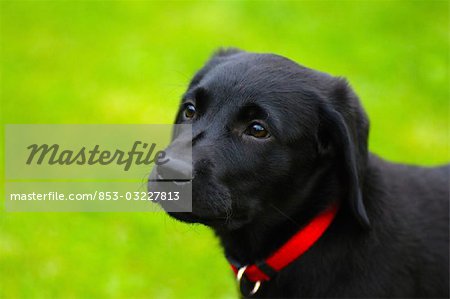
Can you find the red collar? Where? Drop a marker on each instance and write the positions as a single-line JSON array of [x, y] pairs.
[[290, 251]]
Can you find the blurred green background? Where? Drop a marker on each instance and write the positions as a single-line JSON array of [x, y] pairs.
[[129, 62]]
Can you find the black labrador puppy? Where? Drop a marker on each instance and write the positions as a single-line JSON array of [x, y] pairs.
[[281, 172]]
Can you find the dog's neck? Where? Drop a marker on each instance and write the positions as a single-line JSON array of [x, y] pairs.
[[270, 230], [256, 241]]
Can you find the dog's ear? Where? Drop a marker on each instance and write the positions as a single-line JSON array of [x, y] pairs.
[[344, 131], [225, 52]]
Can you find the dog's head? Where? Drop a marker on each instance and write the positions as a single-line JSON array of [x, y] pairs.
[[269, 134]]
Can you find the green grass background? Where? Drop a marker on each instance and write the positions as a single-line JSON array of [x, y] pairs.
[[129, 62]]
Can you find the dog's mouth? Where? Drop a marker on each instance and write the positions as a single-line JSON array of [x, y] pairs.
[[177, 182], [158, 183], [200, 210]]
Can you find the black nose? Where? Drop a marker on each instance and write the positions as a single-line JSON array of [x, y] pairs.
[[175, 169]]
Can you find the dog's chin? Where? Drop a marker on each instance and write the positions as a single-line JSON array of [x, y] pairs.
[[215, 222]]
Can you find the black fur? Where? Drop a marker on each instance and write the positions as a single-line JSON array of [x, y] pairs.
[[391, 235]]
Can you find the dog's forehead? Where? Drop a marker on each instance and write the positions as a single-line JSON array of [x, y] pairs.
[[247, 77], [249, 71], [267, 80]]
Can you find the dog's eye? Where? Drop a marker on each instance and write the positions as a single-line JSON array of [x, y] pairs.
[[189, 111], [257, 130]]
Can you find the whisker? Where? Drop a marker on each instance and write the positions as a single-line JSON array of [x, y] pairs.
[[279, 211]]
